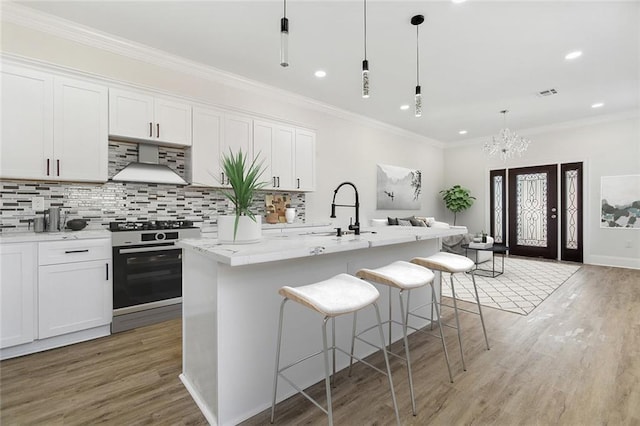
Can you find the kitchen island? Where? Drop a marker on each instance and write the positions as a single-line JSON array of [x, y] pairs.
[[231, 304]]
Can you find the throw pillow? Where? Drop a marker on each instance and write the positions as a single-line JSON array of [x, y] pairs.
[[392, 220], [403, 222], [416, 222]]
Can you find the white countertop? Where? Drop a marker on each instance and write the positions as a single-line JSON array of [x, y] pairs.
[[282, 246], [275, 227], [28, 237]]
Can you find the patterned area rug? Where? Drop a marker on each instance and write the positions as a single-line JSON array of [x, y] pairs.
[[523, 286]]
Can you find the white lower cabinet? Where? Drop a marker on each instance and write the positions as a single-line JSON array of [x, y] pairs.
[[17, 288], [53, 294], [74, 286], [73, 297]]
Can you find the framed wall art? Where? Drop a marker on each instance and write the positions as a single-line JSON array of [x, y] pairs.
[[398, 188], [620, 202]]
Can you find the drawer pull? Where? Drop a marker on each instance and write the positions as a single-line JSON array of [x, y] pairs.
[[76, 251], [106, 266]]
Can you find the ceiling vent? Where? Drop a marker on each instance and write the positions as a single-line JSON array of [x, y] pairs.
[[548, 92]]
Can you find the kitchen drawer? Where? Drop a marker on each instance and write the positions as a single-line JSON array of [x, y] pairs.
[[55, 252]]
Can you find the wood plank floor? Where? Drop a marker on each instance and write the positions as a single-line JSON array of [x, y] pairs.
[[575, 360]]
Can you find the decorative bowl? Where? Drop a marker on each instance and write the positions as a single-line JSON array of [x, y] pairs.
[[76, 224]]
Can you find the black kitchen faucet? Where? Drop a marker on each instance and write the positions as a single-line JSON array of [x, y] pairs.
[[353, 227]]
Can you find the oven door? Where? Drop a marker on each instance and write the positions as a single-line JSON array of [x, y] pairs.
[[146, 276]]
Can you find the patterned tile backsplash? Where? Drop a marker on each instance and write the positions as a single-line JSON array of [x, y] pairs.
[[111, 201]]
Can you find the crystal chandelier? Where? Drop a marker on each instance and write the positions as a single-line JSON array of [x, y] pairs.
[[506, 143]]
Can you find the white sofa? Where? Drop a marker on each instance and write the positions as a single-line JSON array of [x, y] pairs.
[[451, 244]]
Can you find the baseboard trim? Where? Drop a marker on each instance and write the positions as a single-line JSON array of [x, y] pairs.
[[616, 262], [211, 418], [55, 342]]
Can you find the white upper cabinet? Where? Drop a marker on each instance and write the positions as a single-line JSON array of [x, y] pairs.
[[18, 275], [274, 144], [143, 117], [26, 148], [238, 134], [305, 160], [205, 150], [53, 128], [130, 114], [80, 131]]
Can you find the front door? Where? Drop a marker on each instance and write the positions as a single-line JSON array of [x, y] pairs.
[[533, 211]]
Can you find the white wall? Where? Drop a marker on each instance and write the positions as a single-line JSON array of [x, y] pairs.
[[608, 146], [348, 147]]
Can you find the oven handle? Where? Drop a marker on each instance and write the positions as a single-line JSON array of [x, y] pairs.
[[147, 249]]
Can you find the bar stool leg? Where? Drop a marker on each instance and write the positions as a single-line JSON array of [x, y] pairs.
[[353, 341], [390, 316], [455, 308], [405, 318], [275, 377], [386, 361], [327, 383], [434, 305], [484, 330], [434, 299], [333, 342]]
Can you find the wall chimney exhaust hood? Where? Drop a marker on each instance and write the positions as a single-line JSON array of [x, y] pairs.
[[147, 169]]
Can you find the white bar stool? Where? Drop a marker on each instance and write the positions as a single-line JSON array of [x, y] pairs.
[[339, 295], [405, 277], [453, 263]]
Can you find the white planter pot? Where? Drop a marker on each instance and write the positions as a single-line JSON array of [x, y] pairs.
[[248, 230]]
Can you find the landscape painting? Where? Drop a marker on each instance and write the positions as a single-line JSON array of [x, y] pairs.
[[620, 199], [398, 188]]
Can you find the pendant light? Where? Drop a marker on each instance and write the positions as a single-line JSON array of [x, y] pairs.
[[417, 20], [284, 38], [365, 62]]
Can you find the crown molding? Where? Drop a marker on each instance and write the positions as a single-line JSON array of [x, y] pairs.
[[565, 125], [42, 22]]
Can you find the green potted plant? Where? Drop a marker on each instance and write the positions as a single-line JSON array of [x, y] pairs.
[[243, 175], [457, 199]]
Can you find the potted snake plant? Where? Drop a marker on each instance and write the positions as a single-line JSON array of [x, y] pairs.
[[243, 174]]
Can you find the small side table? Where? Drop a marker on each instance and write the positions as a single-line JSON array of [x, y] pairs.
[[496, 248]]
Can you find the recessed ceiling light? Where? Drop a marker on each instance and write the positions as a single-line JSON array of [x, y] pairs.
[[458, 1], [320, 74], [404, 107], [597, 105], [462, 132], [573, 55]]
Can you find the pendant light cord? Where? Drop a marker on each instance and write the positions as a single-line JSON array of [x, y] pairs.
[[417, 56], [365, 30], [285, 9]]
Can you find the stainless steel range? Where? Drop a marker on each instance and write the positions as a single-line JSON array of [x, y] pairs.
[[147, 271]]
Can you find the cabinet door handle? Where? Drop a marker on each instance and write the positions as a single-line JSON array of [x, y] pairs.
[[157, 130], [274, 181], [58, 167], [106, 268], [278, 181], [222, 181], [76, 251], [298, 179], [48, 166], [150, 129]]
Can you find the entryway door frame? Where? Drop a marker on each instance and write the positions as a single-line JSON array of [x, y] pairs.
[[564, 211]]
